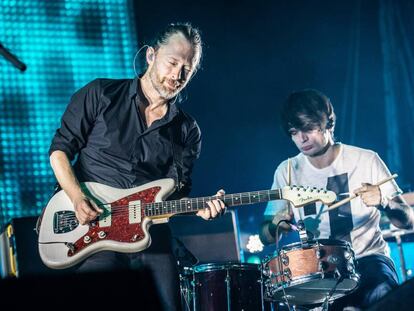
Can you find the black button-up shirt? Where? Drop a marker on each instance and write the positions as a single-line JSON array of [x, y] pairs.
[[102, 125]]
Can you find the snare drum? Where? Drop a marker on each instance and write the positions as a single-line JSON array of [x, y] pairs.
[[227, 286], [309, 273]]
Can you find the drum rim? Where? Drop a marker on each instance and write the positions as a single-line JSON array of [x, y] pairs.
[[302, 280], [214, 266], [309, 245], [323, 242], [315, 276]]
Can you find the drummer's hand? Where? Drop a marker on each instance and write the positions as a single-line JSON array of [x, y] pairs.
[[215, 207], [370, 194]]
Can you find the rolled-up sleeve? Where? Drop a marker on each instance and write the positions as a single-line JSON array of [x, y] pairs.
[[77, 120]]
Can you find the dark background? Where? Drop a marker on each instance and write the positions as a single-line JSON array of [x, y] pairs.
[[256, 53]]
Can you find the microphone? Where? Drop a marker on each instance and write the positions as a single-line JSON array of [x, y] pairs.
[[304, 234], [12, 58], [267, 232]]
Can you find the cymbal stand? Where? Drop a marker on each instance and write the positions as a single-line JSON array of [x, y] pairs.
[[402, 259]]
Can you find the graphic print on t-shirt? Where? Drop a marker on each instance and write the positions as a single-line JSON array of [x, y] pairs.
[[340, 219], [312, 223]]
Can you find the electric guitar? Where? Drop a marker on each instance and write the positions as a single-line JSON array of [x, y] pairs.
[[128, 214]]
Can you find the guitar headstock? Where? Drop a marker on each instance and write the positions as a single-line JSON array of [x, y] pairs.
[[300, 196]]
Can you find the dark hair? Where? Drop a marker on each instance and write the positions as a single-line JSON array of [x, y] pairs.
[[306, 110], [192, 34]]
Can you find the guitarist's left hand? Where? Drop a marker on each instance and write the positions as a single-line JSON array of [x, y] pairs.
[[215, 207]]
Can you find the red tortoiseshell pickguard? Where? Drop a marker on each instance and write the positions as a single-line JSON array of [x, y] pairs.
[[120, 230]]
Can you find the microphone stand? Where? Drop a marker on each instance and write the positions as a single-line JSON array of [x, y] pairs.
[[12, 58]]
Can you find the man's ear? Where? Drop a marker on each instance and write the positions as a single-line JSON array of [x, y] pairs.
[[150, 55]]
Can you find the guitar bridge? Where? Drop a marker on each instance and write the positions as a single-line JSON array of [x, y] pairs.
[[64, 221]]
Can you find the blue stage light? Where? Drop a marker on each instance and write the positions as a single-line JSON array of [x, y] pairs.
[[64, 44]]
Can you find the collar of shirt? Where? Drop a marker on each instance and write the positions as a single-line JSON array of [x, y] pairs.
[[172, 107]]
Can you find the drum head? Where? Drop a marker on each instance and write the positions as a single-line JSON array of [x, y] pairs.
[[316, 291], [225, 266], [315, 242]]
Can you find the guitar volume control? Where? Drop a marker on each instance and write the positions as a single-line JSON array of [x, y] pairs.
[[102, 234], [87, 239]]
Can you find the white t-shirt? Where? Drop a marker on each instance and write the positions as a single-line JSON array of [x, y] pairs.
[[354, 221]]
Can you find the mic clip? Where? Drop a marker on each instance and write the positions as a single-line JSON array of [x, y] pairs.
[[303, 235]]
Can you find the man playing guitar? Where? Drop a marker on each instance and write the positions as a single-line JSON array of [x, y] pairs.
[[129, 132]]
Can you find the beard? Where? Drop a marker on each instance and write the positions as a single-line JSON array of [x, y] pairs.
[[158, 84]]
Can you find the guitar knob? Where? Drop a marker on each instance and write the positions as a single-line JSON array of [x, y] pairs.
[[87, 239], [102, 234]]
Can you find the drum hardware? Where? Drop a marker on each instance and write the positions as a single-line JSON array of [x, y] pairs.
[[303, 235], [222, 286], [399, 236], [228, 289], [351, 267], [285, 259], [185, 288], [323, 265], [325, 304], [316, 272]]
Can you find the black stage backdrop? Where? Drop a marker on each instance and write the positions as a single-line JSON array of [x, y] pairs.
[[256, 52]]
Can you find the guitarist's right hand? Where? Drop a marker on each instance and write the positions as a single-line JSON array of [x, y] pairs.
[[86, 210]]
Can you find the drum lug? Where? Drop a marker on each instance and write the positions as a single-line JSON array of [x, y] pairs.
[[337, 274], [287, 274], [351, 267], [320, 253], [285, 259], [323, 265], [266, 271]]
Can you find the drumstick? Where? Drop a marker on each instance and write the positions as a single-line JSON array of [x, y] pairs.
[[353, 196]]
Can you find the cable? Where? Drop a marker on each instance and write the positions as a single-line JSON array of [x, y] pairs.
[[278, 253], [135, 57]]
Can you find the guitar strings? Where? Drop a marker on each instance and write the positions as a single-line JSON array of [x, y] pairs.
[[160, 207], [169, 207], [164, 207]]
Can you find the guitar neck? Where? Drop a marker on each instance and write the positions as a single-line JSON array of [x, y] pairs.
[[196, 204]]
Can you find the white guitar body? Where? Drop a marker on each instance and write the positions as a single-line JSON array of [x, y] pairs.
[[63, 242]]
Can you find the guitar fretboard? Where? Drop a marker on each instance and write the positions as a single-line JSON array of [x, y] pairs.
[[196, 204]]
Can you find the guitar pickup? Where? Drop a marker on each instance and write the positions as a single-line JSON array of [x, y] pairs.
[[105, 219], [134, 212]]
